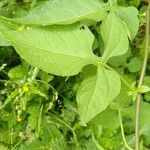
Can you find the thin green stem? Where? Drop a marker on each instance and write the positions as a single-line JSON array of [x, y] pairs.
[[125, 82], [121, 77], [75, 137], [122, 131], [39, 120], [138, 101], [17, 144], [34, 74], [96, 143]]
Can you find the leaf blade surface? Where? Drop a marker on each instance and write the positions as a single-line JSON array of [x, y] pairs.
[[58, 50], [96, 93], [64, 12]]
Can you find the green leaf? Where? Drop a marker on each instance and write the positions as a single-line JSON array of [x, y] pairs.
[[143, 89], [145, 131], [50, 138], [5, 136], [3, 147], [3, 40], [124, 100], [108, 119], [34, 112], [135, 3], [60, 50], [18, 72], [120, 60], [129, 16], [64, 12], [144, 114], [114, 37], [135, 64], [147, 83], [96, 93]]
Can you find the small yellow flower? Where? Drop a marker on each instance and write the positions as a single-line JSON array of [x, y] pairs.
[[21, 28], [50, 105], [18, 119], [25, 88]]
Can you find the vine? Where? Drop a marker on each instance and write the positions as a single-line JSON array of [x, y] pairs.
[[138, 101]]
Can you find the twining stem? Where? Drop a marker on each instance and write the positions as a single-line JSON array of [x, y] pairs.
[[122, 131], [34, 74], [121, 77], [138, 101], [69, 127]]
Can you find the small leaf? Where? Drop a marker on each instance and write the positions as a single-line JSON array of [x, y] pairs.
[[96, 93], [143, 89], [60, 50], [64, 12], [114, 37], [18, 72], [34, 112], [129, 16]]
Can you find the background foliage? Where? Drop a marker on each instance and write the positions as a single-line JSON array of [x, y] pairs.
[[39, 110]]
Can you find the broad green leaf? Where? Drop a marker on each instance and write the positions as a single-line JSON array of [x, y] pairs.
[[64, 12], [96, 93], [135, 64], [124, 100], [120, 60], [144, 114], [3, 40], [60, 50], [144, 119], [114, 37], [129, 16], [108, 119]]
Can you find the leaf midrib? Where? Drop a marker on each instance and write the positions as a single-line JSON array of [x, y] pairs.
[[95, 61]]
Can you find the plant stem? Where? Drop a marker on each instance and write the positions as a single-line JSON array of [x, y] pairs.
[[121, 77], [125, 82], [122, 131], [69, 127], [34, 74], [39, 120], [138, 101]]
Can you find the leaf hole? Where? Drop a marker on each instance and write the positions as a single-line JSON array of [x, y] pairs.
[[82, 28]]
